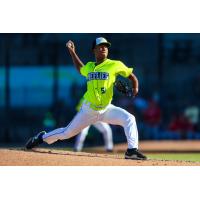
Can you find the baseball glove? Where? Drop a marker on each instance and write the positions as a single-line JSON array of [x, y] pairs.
[[124, 87]]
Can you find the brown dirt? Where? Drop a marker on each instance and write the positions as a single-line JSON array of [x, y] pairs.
[[50, 157]]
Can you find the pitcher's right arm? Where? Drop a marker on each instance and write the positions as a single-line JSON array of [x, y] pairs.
[[76, 60]]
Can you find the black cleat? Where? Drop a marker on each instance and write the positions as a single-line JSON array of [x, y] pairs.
[[35, 141], [134, 154]]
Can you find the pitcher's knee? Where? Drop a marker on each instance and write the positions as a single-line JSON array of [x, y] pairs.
[[130, 120]]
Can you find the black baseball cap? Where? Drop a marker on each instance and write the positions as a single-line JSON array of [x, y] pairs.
[[99, 41]]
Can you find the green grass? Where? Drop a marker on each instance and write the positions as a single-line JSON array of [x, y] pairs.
[[195, 157]]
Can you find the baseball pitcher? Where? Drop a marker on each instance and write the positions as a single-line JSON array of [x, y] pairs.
[[100, 76]]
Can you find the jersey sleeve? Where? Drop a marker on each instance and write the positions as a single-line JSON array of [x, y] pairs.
[[123, 70], [83, 70]]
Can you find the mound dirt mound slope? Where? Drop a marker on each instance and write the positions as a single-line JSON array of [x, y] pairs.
[[48, 157]]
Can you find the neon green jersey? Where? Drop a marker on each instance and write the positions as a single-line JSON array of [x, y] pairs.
[[100, 80]]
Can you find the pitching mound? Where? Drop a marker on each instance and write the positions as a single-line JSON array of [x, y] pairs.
[[49, 157], [97, 156]]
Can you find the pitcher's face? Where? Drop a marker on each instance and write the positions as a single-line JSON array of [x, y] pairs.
[[101, 51]]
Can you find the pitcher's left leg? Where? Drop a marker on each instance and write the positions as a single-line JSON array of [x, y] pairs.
[[118, 116]]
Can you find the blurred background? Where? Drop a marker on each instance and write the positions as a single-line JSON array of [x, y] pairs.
[[40, 88]]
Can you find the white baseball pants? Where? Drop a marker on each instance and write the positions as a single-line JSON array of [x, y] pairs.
[[103, 128], [87, 116]]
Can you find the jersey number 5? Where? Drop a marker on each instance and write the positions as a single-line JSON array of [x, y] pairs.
[[103, 90]]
